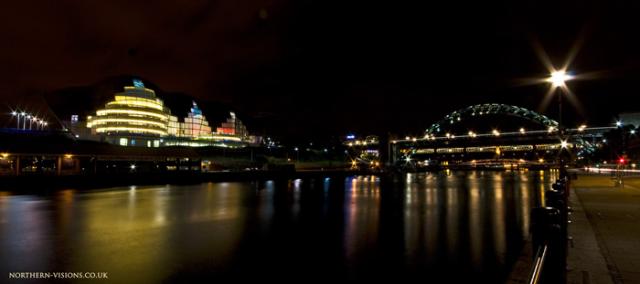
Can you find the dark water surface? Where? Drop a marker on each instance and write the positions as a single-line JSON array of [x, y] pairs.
[[433, 227]]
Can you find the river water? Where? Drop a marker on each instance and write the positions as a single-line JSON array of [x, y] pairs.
[[448, 227]]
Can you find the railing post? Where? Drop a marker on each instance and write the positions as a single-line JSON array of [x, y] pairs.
[[549, 229]]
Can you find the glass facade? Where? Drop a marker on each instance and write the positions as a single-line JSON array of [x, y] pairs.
[[233, 126], [195, 124]]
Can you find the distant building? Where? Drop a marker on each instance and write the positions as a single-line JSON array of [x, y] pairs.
[[195, 124], [136, 117], [233, 126], [196, 132]]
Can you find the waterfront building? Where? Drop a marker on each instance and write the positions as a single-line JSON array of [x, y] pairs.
[[196, 132], [233, 126], [195, 124], [136, 117]]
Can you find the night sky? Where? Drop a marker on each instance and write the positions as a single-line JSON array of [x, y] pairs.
[[317, 68]]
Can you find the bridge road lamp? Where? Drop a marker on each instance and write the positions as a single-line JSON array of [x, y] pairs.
[[15, 114], [24, 119]]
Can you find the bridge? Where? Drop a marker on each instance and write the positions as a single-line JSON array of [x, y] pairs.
[[471, 137]]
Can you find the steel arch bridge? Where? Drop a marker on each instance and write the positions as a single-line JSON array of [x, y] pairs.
[[490, 109]]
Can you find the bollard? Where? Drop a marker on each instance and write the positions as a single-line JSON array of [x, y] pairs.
[[543, 223], [558, 199]]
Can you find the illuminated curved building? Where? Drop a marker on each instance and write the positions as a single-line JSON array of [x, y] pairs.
[[136, 117]]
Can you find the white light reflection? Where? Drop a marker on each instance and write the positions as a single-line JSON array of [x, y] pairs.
[[362, 209], [453, 214]]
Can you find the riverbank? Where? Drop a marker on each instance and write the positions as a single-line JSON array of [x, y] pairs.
[[604, 244]]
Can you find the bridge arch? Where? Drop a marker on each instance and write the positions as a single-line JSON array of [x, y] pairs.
[[490, 109]]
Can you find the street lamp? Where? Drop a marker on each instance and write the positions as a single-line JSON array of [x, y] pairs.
[[14, 113], [24, 124], [558, 80], [33, 118], [24, 120]]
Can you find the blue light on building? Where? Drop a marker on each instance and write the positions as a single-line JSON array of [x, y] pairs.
[[138, 83]]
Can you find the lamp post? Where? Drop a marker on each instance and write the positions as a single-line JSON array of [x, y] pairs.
[[558, 79], [33, 118], [24, 120], [14, 113]]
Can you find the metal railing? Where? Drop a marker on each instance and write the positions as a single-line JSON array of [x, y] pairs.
[[538, 264], [550, 235]]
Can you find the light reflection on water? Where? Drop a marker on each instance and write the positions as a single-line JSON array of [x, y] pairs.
[[462, 225]]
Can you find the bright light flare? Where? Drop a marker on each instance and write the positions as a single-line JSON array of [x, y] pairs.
[[559, 78]]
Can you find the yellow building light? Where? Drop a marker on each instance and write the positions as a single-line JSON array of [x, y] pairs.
[[103, 112], [130, 129], [136, 88], [101, 121], [137, 103]]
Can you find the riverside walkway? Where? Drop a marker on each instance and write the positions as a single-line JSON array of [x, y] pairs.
[[605, 230]]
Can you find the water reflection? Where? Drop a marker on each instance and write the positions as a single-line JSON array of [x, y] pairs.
[[477, 209], [465, 225]]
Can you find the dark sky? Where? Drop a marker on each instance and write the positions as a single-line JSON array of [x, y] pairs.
[[329, 67]]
